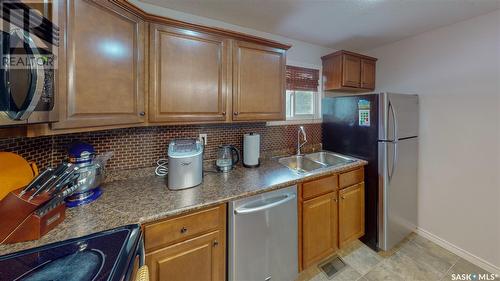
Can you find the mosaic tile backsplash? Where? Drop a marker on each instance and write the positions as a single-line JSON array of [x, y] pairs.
[[141, 147]]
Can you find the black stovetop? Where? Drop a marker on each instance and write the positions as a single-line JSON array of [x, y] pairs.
[[105, 255]]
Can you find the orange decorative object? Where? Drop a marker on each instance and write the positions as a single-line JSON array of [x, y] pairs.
[[15, 172]]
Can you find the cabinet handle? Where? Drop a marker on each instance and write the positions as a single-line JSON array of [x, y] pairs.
[[142, 113], [184, 230], [236, 113], [216, 243]]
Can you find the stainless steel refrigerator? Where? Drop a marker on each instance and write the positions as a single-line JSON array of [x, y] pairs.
[[381, 128]]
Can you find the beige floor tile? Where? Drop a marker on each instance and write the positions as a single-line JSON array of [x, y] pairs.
[[411, 270], [347, 274], [464, 267], [435, 249], [350, 247], [362, 259], [439, 259], [382, 272], [390, 252]]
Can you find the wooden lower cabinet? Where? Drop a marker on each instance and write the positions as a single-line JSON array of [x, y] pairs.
[[319, 233], [189, 247], [200, 258], [331, 214], [351, 213]]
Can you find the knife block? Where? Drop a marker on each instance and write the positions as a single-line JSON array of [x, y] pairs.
[[19, 219]]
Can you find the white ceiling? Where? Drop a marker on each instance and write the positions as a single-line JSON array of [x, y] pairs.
[[337, 24]]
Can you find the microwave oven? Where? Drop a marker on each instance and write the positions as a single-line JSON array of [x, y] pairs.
[[27, 72]]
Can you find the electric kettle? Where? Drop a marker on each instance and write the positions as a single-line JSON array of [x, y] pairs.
[[226, 157]]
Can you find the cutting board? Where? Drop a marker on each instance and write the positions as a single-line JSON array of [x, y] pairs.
[[15, 172]]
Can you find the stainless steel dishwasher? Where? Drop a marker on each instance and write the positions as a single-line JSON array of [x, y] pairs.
[[263, 241]]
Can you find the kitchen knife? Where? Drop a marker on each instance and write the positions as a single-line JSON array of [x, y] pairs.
[[53, 176], [59, 182], [36, 181], [58, 198]]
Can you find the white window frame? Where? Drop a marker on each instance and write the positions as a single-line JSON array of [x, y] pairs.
[[305, 119], [314, 115]]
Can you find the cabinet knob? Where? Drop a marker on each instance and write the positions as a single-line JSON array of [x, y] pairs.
[[236, 113], [223, 113], [216, 243], [335, 199], [142, 113], [184, 230], [343, 197]]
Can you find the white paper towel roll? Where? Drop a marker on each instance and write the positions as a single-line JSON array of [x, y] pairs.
[[251, 149]]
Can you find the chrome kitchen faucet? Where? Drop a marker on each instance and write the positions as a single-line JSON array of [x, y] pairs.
[[302, 132]]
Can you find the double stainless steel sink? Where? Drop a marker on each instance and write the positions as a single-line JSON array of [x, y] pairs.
[[307, 163]]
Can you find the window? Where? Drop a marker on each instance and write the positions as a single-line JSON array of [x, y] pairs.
[[302, 97]]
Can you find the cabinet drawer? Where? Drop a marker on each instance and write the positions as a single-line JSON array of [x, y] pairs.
[[318, 187], [352, 177], [183, 227]]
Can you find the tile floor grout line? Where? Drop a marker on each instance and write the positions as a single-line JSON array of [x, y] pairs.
[[449, 269]]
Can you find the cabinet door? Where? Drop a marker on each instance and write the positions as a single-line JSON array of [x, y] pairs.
[[201, 258], [368, 74], [351, 213], [101, 67], [189, 75], [319, 231], [259, 82], [351, 73]]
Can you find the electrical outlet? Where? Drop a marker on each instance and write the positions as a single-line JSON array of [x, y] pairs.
[[203, 138]]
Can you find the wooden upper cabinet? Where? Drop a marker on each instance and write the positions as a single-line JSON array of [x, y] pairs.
[[368, 74], [258, 82], [101, 67], [189, 75], [351, 74], [348, 71], [351, 213]]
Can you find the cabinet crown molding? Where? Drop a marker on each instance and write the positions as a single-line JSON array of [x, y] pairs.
[[344, 52], [125, 4]]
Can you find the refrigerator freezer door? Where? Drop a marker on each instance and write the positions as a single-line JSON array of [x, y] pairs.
[[343, 134], [397, 191], [398, 116]]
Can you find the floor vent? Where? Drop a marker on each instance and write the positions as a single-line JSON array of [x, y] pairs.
[[332, 266]]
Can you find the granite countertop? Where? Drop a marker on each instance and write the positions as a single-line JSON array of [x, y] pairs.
[[147, 198]]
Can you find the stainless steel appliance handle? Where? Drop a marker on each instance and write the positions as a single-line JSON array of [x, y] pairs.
[[394, 140], [395, 121], [286, 197], [394, 159], [39, 80]]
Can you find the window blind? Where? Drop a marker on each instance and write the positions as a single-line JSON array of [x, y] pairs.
[[301, 78]]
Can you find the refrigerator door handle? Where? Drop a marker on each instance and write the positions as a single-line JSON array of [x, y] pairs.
[[394, 160], [394, 141], [395, 121]]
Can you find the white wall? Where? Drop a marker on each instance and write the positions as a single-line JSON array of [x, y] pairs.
[[301, 53], [455, 70]]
